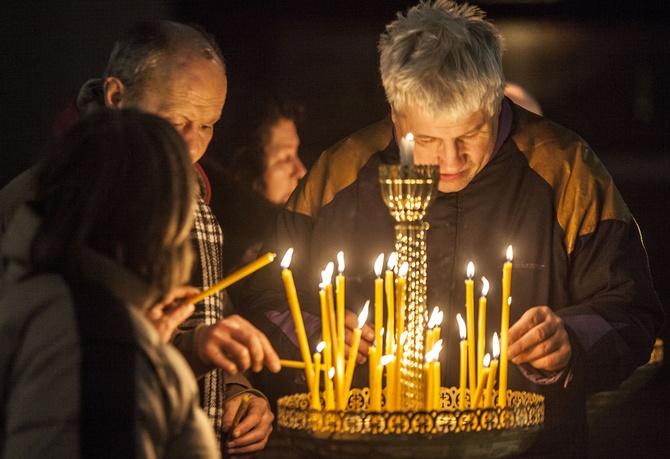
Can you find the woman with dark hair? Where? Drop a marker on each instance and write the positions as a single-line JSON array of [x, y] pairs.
[[82, 372]]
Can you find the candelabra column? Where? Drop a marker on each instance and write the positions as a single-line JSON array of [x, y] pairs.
[[407, 191]]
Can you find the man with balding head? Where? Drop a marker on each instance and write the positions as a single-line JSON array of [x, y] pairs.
[[177, 72]]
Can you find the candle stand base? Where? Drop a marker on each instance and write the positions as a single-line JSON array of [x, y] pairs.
[[446, 432]]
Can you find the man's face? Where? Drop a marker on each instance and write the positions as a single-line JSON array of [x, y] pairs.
[[189, 92], [283, 167], [461, 147]]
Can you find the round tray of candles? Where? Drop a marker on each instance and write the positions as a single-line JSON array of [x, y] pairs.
[[447, 432]]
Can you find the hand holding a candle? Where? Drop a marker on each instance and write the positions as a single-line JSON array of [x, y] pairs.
[[235, 345], [539, 339], [167, 315], [253, 430]]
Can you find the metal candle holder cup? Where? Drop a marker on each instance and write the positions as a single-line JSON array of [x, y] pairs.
[[407, 191]]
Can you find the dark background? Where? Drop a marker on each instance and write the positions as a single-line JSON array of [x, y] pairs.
[[599, 68]]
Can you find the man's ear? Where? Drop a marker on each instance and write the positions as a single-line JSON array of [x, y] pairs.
[[114, 91]]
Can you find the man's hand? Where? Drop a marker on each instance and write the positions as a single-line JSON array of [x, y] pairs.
[[367, 336], [539, 339], [167, 315], [253, 431], [235, 345]]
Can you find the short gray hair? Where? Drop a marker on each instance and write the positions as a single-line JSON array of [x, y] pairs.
[[442, 58], [146, 46]]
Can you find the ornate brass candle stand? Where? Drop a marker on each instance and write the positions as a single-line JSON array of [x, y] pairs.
[[407, 191]]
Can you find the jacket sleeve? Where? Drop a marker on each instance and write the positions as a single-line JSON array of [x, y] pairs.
[[616, 314]]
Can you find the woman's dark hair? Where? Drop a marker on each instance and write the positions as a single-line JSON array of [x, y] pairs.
[[120, 183]]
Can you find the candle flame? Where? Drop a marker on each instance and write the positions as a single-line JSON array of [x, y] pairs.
[[381, 332], [487, 360], [386, 359], [321, 346], [485, 286], [432, 322], [402, 272], [331, 372], [286, 261], [509, 253], [363, 316], [378, 265], [438, 321], [340, 262], [330, 268], [496, 346], [509, 301], [470, 270], [325, 279], [462, 330], [403, 337], [392, 261], [434, 353]]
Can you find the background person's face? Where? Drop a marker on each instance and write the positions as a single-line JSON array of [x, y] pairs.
[[190, 93], [283, 167]]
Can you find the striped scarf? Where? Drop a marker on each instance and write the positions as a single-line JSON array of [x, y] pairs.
[[207, 240]]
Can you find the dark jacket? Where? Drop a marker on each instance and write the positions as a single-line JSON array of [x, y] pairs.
[[576, 249]]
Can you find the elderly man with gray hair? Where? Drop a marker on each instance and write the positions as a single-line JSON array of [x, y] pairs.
[[585, 314]]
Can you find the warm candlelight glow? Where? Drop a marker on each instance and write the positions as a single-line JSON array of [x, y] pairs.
[[340, 262], [510, 253], [402, 272], [495, 346], [407, 150], [321, 346], [464, 360], [379, 263], [286, 261], [296, 313], [353, 350], [470, 270], [392, 261], [481, 329]]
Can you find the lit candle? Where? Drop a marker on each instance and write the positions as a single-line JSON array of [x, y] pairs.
[[437, 330], [504, 327], [234, 277], [353, 350], [330, 395], [315, 399], [372, 366], [390, 316], [407, 150], [464, 359], [432, 321], [292, 296], [391, 386], [400, 298], [479, 392], [325, 323], [481, 329], [470, 320], [379, 296], [339, 361], [488, 397], [437, 377], [327, 278], [432, 373]]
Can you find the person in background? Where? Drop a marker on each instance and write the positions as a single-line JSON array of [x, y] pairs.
[[265, 170], [177, 72], [584, 314], [82, 371]]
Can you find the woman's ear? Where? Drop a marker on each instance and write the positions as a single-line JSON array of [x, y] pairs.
[[114, 91]]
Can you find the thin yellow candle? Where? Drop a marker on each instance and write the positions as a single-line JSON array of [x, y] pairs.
[[315, 403], [353, 350], [298, 364], [390, 306], [376, 389], [372, 366], [400, 299], [391, 386], [325, 324], [437, 377], [379, 297], [464, 360], [330, 393], [339, 292], [504, 327], [234, 277], [470, 320], [488, 396], [430, 335], [428, 386], [479, 392], [292, 296], [399, 355], [432, 376], [481, 329], [437, 330]]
